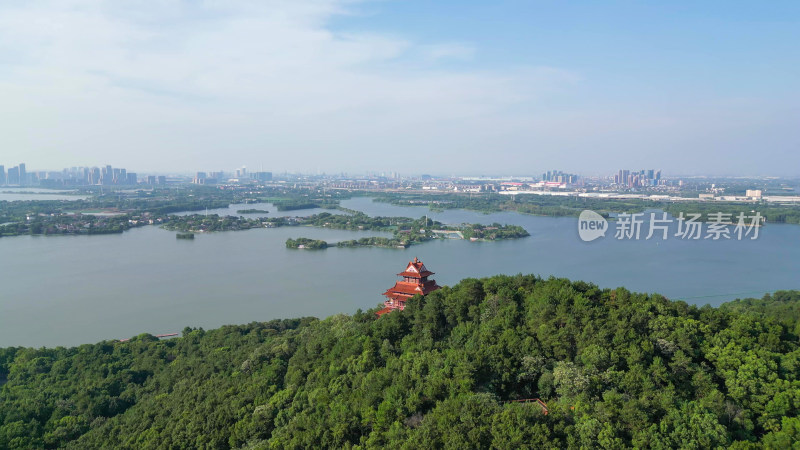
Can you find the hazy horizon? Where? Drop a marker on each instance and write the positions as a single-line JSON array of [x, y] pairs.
[[464, 88], [533, 173]]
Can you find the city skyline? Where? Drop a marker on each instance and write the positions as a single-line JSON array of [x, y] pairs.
[[540, 173], [340, 85]]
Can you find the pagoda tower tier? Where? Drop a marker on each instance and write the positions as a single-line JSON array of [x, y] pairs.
[[415, 281]]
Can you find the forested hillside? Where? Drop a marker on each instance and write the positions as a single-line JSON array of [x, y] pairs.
[[782, 306], [616, 369]]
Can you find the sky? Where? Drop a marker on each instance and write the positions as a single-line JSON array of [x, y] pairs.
[[445, 87]]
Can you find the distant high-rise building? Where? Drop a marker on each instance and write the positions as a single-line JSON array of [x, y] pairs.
[[754, 193], [261, 176], [151, 179], [106, 175], [2, 175], [161, 179], [13, 176], [23, 175], [132, 180], [94, 175]]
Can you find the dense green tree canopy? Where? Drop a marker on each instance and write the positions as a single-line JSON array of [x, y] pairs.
[[616, 369]]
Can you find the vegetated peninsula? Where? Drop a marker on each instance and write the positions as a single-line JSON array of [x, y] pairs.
[[116, 211], [560, 206], [613, 369]]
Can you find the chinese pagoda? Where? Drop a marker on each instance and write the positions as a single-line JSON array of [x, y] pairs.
[[415, 281]]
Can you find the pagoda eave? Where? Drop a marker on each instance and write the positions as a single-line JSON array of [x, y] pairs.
[[424, 274], [384, 311]]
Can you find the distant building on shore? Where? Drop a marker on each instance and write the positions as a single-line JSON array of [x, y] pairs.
[[754, 193]]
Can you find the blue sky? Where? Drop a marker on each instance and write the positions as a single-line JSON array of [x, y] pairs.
[[340, 85]]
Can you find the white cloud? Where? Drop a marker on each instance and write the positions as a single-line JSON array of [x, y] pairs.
[[214, 84], [135, 81]]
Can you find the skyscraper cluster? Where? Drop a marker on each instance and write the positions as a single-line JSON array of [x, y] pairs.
[[106, 175], [16, 176], [641, 178], [74, 176], [559, 177]]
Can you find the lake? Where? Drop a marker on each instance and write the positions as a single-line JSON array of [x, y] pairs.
[[68, 290], [13, 194]]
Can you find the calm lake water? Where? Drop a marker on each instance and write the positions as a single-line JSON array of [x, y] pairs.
[[12, 194], [68, 290]]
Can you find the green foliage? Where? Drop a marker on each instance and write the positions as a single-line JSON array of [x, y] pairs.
[[210, 222], [617, 370], [374, 241], [493, 232], [781, 306]]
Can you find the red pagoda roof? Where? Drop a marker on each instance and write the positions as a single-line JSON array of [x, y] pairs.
[[415, 269]]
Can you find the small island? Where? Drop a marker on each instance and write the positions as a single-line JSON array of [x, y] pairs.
[[374, 241], [198, 223], [252, 211], [306, 243], [184, 236]]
